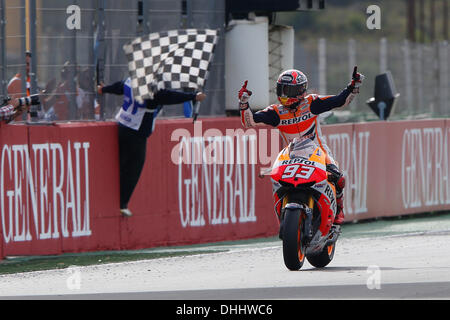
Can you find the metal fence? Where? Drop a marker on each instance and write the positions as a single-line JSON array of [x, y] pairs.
[[13, 46], [2, 51], [162, 15], [420, 73], [69, 56]]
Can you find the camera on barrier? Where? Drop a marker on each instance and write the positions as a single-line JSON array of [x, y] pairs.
[[5, 101], [32, 100]]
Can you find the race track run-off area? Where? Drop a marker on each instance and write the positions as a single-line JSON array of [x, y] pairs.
[[410, 265]]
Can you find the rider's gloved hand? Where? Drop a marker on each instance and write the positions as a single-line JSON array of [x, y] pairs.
[[357, 79], [244, 95]]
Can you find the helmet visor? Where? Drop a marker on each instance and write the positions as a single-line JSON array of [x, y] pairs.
[[289, 90]]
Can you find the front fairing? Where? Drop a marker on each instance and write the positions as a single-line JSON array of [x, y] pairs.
[[301, 162]]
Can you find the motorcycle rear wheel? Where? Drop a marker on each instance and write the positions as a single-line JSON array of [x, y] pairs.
[[323, 258], [293, 249]]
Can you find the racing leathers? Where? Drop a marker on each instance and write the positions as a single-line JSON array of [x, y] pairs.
[[303, 121]]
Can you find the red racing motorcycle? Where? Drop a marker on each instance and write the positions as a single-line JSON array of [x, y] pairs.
[[308, 205]]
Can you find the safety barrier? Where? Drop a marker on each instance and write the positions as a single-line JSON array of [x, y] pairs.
[[59, 185], [59, 188], [393, 168]]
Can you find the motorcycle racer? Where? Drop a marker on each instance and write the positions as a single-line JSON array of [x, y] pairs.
[[297, 116]]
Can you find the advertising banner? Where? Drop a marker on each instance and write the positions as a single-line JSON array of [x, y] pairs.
[[59, 188], [202, 182]]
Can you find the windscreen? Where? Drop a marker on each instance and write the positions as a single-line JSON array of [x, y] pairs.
[[301, 148]]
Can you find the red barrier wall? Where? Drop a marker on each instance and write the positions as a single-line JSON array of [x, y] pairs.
[[393, 168], [192, 203], [59, 185], [59, 188]]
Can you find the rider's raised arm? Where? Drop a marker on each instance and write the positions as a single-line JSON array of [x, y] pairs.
[[266, 116], [251, 119], [321, 104]]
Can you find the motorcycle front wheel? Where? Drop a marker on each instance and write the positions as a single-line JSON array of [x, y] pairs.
[[323, 258], [293, 249]]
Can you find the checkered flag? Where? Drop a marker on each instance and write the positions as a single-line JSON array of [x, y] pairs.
[[173, 59]]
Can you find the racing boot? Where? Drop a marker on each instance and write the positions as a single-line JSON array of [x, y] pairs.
[[339, 219], [336, 177]]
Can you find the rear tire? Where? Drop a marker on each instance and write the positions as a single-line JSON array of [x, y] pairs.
[[293, 250], [323, 258]]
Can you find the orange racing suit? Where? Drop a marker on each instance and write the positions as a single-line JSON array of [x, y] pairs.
[[302, 121]]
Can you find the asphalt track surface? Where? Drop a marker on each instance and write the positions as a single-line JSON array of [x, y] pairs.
[[411, 265]]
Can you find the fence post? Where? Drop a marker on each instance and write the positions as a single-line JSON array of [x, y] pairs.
[[418, 80], [189, 19], [145, 22], [322, 66], [351, 64], [383, 55], [73, 73], [32, 24], [32, 59], [2, 48], [23, 71], [444, 83], [100, 57], [434, 107], [408, 75]]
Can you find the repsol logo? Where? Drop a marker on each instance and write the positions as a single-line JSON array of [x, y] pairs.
[[329, 193], [296, 119], [298, 160]]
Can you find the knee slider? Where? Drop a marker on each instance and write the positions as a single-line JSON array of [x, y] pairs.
[[333, 173], [341, 182], [335, 176]]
